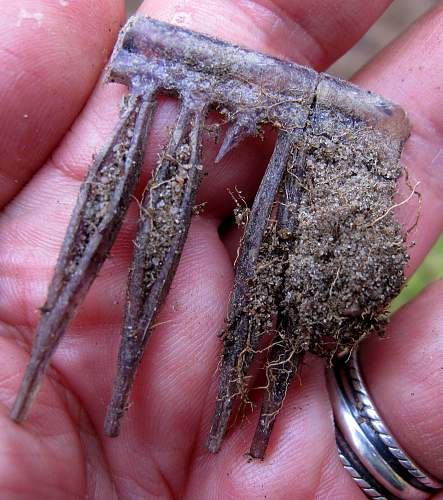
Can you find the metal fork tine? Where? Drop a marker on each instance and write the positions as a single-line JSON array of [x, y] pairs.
[[285, 357], [90, 236], [237, 131], [283, 363], [148, 281], [238, 331]]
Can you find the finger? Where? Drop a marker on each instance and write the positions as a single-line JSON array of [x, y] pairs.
[[172, 383], [65, 170], [403, 74], [52, 54], [259, 28], [404, 372], [301, 461], [178, 381], [36, 202], [305, 32], [404, 375], [60, 458]]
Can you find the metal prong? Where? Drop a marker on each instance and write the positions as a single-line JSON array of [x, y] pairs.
[[168, 198], [244, 127], [283, 363], [89, 237], [285, 357], [238, 325]]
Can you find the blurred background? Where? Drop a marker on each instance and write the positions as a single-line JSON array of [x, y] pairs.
[[400, 15]]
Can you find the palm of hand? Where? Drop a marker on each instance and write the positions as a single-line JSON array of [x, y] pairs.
[[61, 451]]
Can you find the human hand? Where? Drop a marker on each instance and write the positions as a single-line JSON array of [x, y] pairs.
[[53, 54]]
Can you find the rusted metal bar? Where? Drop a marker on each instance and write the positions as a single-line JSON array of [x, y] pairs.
[[322, 273]]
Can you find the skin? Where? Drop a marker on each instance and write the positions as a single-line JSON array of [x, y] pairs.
[[60, 452]]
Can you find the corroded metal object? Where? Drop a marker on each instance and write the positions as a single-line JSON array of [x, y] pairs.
[[332, 173]]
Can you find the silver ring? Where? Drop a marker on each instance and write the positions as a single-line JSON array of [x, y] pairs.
[[366, 446]]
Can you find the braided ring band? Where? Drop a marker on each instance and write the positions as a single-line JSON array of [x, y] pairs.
[[366, 446]]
